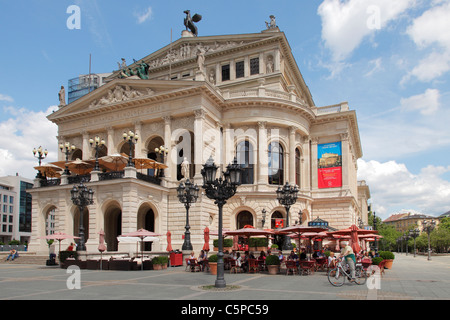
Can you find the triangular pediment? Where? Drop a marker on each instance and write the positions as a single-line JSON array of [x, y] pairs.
[[120, 92]]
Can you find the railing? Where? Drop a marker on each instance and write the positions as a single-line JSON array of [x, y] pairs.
[[111, 175], [50, 182], [79, 179], [147, 178]]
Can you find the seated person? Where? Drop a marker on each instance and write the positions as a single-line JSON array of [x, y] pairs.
[[293, 256], [331, 260], [262, 256], [302, 254]]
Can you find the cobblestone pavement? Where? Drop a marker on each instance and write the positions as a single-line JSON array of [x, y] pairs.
[[409, 279]]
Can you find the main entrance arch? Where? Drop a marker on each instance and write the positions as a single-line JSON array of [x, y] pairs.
[[113, 226]]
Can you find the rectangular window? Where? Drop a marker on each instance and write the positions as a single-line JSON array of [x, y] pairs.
[[226, 72], [254, 66], [240, 69]]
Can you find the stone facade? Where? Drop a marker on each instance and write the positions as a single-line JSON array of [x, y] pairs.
[[220, 96]]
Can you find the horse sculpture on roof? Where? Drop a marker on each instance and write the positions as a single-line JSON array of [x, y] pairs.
[[189, 22]]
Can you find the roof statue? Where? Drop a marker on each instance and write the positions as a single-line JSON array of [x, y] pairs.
[[189, 22], [272, 24]]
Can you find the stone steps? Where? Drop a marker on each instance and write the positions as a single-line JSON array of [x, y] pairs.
[[24, 258]]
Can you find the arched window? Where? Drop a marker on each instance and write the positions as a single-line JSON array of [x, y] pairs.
[[244, 156], [277, 220], [244, 218], [297, 167], [276, 163]]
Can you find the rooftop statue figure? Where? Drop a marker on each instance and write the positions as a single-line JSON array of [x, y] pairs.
[[272, 24], [189, 22]]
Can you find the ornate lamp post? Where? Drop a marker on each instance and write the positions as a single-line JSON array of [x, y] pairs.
[[414, 233], [67, 149], [220, 190], [163, 151], [287, 196], [97, 144], [428, 227], [375, 228], [187, 194], [132, 138], [81, 196], [41, 155]]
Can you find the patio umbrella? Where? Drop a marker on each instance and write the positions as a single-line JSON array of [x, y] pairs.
[[117, 160], [206, 236], [79, 167], [49, 170], [59, 236], [169, 241], [353, 231], [247, 232], [101, 246], [142, 234], [146, 163]]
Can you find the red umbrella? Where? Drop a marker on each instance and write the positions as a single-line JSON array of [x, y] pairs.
[[169, 241], [248, 232], [206, 235], [354, 236], [353, 231]]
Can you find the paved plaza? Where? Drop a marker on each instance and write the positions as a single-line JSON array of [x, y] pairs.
[[410, 279]]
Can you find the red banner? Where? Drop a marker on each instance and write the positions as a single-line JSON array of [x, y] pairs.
[[330, 177]]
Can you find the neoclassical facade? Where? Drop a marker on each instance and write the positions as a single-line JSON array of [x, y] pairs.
[[223, 96]]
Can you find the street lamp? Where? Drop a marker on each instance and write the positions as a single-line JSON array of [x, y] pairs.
[[428, 227], [163, 151], [132, 138], [41, 155], [67, 149], [81, 196], [97, 144], [287, 196], [414, 233], [187, 193], [220, 190]]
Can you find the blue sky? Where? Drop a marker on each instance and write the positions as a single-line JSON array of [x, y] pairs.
[[389, 59]]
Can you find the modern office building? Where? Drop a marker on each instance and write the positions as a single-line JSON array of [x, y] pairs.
[[15, 205]]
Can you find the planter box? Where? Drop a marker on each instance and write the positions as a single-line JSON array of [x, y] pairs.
[[273, 269], [388, 264], [213, 267]]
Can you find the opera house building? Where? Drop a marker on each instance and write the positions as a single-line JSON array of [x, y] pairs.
[[228, 96]]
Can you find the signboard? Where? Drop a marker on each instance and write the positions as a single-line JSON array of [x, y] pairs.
[[279, 223], [329, 165]]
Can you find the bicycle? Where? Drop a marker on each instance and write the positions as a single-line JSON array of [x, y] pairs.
[[338, 275]]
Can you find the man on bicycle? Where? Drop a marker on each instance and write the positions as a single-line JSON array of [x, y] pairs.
[[349, 258]]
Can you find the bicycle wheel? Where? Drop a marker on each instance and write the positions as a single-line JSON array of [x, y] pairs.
[[336, 277], [360, 276]]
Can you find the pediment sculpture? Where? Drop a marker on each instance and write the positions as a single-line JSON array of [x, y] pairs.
[[121, 94]]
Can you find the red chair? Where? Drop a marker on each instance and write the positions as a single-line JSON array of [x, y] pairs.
[[253, 265], [307, 267], [291, 266], [195, 266]]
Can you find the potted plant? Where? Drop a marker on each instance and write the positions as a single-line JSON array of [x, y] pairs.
[[377, 260], [258, 244], [389, 257], [160, 262], [273, 264], [212, 261]]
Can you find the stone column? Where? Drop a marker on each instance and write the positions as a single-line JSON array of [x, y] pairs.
[[198, 142], [86, 147], [314, 165], [263, 170], [168, 143], [110, 141], [292, 155], [138, 145], [305, 166]]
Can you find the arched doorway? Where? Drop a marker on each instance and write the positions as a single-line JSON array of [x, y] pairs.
[[277, 221], [50, 221], [146, 220], [113, 226], [156, 142], [185, 149]]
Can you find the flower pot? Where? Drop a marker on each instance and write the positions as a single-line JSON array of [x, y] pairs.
[[213, 267], [388, 264], [157, 267], [273, 269]]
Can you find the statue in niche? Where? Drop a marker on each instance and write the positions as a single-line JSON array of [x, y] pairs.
[[62, 97], [201, 59], [269, 66], [189, 22], [212, 76], [272, 24], [185, 168]]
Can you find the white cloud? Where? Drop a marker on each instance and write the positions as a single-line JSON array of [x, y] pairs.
[[144, 16], [430, 31], [345, 24], [392, 187], [6, 98], [21, 133], [427, 103]]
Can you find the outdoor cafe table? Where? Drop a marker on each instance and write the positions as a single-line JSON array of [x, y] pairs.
[[307, 265], [321, 262]]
